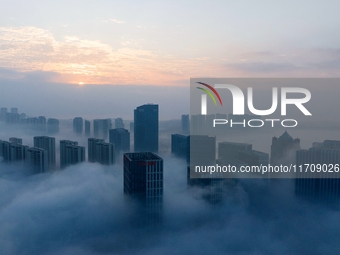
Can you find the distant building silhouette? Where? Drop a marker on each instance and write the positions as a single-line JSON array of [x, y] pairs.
[[3, 114], [52, 126], [92, 149], [146, 128], [185, 123], [14, 110], [47, 143], [143, 181], [42, 124], [87, 128], [283, 149], [101, 128], [15, 140], [78, 125], [119, 123], [120, 137], [232, 149], [132, 127]]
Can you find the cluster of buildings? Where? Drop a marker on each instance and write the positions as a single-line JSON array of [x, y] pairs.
[[143, 168]]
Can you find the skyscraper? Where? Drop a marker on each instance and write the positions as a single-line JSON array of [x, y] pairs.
[[63, 155], [307, 185], [47, 143], [52, 126], [146, 128], [37, 158], [3, 114], [231, 149], [180, 145], [143, 181], [105, 153], [92, 149], [119, 123], [74, 154], [78, 125], [283, 149], [87, 128], [101, 128], [120, 137], [185, 123]]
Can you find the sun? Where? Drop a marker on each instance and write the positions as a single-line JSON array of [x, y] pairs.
[[80, 83]]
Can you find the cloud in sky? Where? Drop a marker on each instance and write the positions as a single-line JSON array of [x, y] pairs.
[[75, 59], [89, 61]]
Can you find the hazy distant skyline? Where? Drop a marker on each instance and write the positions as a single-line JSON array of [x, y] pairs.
[[167, 42]]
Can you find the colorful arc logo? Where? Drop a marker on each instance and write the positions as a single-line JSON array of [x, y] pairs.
[[209, 93]]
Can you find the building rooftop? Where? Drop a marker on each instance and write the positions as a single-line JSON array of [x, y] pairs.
[[142, 156]]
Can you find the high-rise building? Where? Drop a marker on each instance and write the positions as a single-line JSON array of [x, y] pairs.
[[63, 154], [37, 158], [5, 150], [185, 123], [231, 149], [78, 125], [14, 110], [283, 149], [143, 181], [307, 184], [120, 137], [119, 123], [42, 124], [101, 128], [52, 126], [15, 140], [146, 128], [92, 149], [3, 114], [87, 128], [180, 145], [13, 150], [105, 153], [47, 143], [74, 154]]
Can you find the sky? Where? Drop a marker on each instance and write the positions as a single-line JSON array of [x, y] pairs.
[[167, 42]]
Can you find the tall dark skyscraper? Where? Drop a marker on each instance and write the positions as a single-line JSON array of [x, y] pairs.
[[47, 143], [143, 181], [146, 128], [78, 125], [120, 137]]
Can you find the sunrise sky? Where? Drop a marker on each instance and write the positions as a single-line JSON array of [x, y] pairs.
[[167, 42]]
